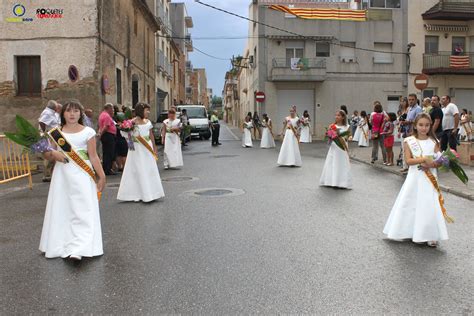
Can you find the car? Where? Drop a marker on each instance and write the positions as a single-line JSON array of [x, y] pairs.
[[198, 120]]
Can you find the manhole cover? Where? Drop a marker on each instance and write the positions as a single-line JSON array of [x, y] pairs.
[[113, 185], [217, 192], [225, 156], [178, 179], [197, 153]]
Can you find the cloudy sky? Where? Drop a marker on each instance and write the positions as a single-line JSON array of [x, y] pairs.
[[211, 23]]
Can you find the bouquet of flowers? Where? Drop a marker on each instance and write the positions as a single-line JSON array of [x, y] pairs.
[[304, 121], [336, 136], [448, 160], [128, 127], [29, 137], [169, 128]]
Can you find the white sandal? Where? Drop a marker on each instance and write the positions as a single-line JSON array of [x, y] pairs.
[[432, 244]]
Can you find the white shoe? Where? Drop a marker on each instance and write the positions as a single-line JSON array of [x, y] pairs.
[[75, 257]]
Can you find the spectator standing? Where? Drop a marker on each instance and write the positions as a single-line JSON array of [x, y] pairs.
[[215, 127], [184, 123], [377, 120], [427, 105], [88, 114], [450, 123], [256, 125], [436, 115], [107, 134], [48, 120]]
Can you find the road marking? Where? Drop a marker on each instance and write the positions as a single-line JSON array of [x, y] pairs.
[[231, 133]]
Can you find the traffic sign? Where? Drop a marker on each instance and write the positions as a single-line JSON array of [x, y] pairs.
[[260, 96], [421, 82]]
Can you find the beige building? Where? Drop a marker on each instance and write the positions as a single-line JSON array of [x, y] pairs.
[[96, 51], [164, 56], [325, 63], [443, 32]]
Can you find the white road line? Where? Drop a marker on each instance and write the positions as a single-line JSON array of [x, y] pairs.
[[231, 133]]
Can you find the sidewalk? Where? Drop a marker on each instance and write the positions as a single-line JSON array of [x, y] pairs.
[[448, 181]]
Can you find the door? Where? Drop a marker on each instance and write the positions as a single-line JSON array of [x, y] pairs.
[[303, 99], [464, 99], [134, 92]]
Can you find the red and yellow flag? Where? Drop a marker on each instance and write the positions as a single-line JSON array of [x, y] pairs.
[[324, 14]]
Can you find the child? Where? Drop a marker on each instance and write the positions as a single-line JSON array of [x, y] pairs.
[[141, 179], [364, 130], [247, 136], [290, 150], [337, 168], [418, 211], [267, 133], [170, 137], [71, 227], [389, 138], [306, 128]]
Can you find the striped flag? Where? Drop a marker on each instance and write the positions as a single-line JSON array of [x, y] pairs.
[[459, 62], [324, 14]]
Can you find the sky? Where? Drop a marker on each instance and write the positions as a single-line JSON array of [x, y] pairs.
[[211, 23]]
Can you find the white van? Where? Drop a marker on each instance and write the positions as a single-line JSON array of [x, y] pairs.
[[198, 120]]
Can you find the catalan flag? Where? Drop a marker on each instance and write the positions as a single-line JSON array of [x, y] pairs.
[[459, 62], [323, 14]]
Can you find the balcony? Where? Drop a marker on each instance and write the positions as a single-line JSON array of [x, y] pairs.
[[189, 43], [309, 69], [448, 64], [189, 66], [189, 22]]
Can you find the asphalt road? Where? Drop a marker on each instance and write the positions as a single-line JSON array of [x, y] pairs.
[[283, 246]]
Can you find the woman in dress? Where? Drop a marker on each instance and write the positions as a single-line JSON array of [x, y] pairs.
[[267, 133], [363, 130], [141, 179], [170, 137], [290, 149], [247, 134], [256, 125], [337, 168], [121, 148], [71, 227], [418, 213], [355, 119], [306, 128], [465, 130]]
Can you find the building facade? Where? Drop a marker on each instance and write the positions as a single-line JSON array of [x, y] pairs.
[[164, 56], [325, 63], [97, 52], [443, 32]]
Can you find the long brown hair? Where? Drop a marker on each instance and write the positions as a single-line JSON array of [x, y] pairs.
[[72, 104], [431, 133], [140, 109], [344, 116]]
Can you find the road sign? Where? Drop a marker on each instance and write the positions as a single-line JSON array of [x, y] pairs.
[[260, 96], [421, 82]]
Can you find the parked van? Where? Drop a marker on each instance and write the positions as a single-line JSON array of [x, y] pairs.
[[198, 120]]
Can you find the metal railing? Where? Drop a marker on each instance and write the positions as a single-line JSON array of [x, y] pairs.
[[443, 60], [318, 63], [14, 162], [160, 61]]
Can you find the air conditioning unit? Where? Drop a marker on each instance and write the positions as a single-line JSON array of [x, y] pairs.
[[251, 61], [348, 59]]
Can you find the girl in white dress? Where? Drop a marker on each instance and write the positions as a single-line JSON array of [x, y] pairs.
[[267, 133], [306, 128], [417, 213], [71, 227], [337, 167], [364, 130], [247, 136], [290, 149], [170, 136], [141, 179]]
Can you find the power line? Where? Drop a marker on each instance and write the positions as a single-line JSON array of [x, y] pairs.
[[291, 32]]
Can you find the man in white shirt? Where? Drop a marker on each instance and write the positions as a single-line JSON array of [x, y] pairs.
[[48, 120], [450, 123]]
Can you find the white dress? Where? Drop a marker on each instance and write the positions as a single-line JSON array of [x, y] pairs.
[[247, 137], [306, 132], [290, 149], [357, 134], [141, 179], [72, 220], [337, 167], [364, 134], [267, 137], [173, 157], [416, 213]]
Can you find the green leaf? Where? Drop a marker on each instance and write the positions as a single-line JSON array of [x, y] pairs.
[[19, 139], [128, 114], [25, 128]]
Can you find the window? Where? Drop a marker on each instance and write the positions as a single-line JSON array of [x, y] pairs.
[[135, 22], [431, 44], [255, 56], [428, 93], [294, 49], [289, 15], [459, 45], [28, 75], [383, 54], [118, 76], [323, 49], [388, 4]]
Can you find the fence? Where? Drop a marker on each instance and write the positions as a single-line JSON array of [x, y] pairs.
[[14, 163]]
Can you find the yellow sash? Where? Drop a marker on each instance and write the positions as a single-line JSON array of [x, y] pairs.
[[144, 142], [417, 152]]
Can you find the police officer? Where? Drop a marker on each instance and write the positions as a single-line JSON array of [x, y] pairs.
[[215, 127]]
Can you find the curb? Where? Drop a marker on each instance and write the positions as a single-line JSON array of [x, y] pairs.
[[443, 188]]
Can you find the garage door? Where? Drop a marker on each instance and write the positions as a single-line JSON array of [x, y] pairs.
[[303, 99], [465, 99]]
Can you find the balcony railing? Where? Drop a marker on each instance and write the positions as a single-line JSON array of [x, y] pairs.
[[306, 63], [160, 61], [307, 69], [448, 63]]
